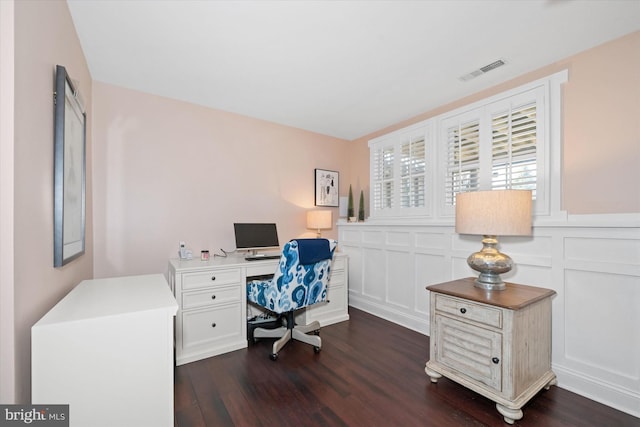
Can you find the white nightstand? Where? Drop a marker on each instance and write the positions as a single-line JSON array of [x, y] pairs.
[[497, 343]]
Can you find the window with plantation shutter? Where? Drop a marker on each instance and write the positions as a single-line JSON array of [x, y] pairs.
[[495, 146], [399, 173], [509, 141]]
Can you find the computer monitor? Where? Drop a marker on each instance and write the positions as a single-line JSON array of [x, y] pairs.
[[254, 236]]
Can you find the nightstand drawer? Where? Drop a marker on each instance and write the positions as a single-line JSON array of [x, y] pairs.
[[210, 297], [464, 309], [210, 278]]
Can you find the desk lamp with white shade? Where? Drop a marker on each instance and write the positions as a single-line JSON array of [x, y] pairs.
[[319, 220], [491, 214]]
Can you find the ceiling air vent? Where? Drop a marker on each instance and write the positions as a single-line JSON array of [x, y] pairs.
[[482, 70]]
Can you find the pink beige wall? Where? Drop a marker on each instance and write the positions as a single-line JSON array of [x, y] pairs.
[[7, 333], [44, 36], [166, 171], [160, 170], [601, 128]]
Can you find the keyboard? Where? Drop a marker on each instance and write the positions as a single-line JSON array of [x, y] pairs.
[[259, 257]]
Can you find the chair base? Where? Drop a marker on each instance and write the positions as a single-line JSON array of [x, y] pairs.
[[289, 332]]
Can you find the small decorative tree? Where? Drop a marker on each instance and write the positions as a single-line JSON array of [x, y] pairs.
[[361, 207], [350, 212]]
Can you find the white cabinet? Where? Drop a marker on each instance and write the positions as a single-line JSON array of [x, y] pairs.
[[106, 349], [496, 343], [212, 316], [336, 307], [212, 299]]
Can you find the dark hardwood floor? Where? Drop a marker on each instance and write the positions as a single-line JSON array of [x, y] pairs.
[[370, 372]]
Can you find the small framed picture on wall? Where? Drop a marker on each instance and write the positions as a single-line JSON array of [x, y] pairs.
[[327, 188]]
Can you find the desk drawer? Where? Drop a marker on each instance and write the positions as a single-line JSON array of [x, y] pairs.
[[337, 263], [205, 279], [336, 303], [336, 279], [214, 325], [210, 297], [262, 268], [464, 309]]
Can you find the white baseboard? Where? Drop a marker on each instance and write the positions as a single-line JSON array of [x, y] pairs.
[[592, 388], [410, 322]]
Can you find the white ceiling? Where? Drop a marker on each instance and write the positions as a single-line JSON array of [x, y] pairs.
[[339, 68]]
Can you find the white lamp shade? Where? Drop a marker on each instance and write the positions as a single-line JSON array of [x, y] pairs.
[[319, 220], [494, 213]]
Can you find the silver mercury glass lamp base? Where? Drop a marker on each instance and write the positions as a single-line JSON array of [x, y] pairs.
[[490, 262]]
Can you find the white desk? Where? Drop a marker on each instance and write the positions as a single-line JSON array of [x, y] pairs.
[[106, 349], [212, 295]]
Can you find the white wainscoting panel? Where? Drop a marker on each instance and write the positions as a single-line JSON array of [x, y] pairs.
[[593, 264], [400, 271], [396, 238], [427, 267], [430, 242], [373, 284], [615, 354]]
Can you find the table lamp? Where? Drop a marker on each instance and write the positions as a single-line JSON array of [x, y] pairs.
[[319, 220], [493, 213]]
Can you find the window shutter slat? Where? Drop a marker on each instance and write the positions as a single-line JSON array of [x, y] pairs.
[[463, 159], [514, 149], [382, 176], [412, 184]]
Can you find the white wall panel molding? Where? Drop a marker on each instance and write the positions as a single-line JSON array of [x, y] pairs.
[[374, 277], [430, 241], [584, 294], [400, 270], [398, 238], [592, 262]]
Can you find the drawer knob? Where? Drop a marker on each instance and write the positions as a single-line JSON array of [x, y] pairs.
[[213, 297], [213, 277], [463, 310], [495, 360], [213, 325]]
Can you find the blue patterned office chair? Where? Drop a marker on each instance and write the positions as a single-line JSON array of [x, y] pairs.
[[299, 281]]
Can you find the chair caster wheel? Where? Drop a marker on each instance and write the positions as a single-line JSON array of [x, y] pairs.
[[273, 356], [316, 350]]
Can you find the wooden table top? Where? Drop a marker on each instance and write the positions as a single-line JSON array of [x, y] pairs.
[[514, 297]]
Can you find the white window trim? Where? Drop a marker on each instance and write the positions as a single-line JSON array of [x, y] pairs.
[[395, 140], [435, 211], [483, 113]]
